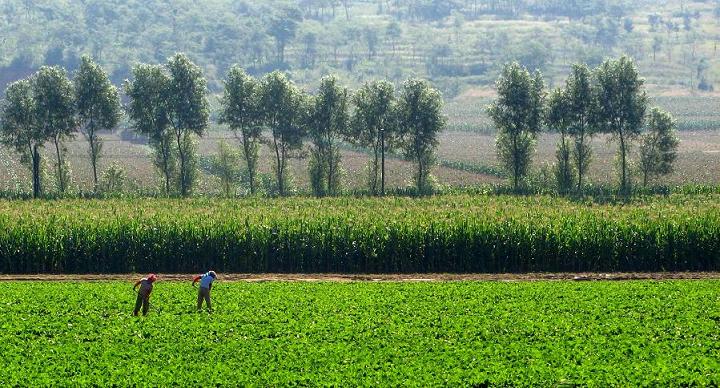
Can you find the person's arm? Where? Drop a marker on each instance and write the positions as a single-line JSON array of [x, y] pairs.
[[196, 279], [136, 285]]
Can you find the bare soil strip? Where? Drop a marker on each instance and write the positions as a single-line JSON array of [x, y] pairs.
[[380, 277]]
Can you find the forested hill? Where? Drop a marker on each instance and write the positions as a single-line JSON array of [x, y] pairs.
[[458, 44]]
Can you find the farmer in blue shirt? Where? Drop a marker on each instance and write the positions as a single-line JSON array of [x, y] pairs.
[[206, 282]]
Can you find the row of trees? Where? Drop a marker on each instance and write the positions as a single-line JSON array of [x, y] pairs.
[[48, 107], [609, 99], [169, 104], [374, 117]]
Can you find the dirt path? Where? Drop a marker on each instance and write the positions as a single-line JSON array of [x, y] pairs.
[[382, 278]]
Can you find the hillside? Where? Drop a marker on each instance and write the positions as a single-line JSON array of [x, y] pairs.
[[458, 44]]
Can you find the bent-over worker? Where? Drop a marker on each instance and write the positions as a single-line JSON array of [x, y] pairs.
[[143, 294], [206, 282]]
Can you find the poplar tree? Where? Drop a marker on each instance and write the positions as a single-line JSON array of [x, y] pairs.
[[420, 119], [518, 115], [284, 112], [148, 113], [20, 129], [188, 114], [579, 93], [658, 149], [241, 111], [328, 123], [373, 126], [98, 107], [55, 114], [621, 103], [558, 118]]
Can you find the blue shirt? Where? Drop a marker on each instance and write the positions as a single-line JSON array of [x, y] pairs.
[[206, 281]]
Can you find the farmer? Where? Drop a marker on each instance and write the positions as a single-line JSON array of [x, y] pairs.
[[206, 282], [143, 295]]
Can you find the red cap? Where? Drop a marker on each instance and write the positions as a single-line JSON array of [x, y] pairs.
[[152, 277]]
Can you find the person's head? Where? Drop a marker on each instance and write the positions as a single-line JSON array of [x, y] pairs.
[[152, 278], [212, 274]]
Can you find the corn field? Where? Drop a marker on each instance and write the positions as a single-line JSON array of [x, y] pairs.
[[451, 233]]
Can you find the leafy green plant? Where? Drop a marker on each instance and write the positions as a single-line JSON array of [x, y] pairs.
[[113, 179], [360, 334]]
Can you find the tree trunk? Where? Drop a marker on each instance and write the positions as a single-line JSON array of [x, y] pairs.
[[331, 169], [516, 164], [580, 149], [250, 166], [419, 177], [623, 182], [60, 178], [37, 189], [283, 158], [278, 169], [95, 175], [164, 144], [93, 160], [181, 154], [382, 171], [375, 169], [566, 173], [166, 164], [92, 138]]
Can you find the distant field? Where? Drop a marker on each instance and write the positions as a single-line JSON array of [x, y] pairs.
[[365, 334], [692, 112], [698, 159], [698, 162]]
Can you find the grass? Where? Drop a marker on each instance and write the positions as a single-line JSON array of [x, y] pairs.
[[365, 334]]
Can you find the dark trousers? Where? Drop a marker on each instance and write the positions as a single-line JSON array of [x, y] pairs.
[[203, 293], [144, 301]]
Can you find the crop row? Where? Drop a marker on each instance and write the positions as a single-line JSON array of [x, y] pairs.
[[453, 233]]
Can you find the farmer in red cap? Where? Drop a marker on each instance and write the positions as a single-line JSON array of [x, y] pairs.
[[206, 282], [143, 295]]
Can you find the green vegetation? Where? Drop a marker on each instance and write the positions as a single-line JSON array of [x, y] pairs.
[[611, 100], [519, 334], [97, 104], [658, 150], [458, 44], [453, 233], [169, 105], [518, 115]]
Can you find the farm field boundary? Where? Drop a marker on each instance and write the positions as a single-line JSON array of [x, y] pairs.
[[436, 277]]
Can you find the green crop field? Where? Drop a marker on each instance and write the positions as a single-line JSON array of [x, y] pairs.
[[449, 233], [364, 334]]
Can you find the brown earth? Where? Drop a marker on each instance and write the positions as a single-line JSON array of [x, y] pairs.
[[384, 277], [697, 161]]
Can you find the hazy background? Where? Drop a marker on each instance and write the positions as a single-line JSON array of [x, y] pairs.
[[460, 45]]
